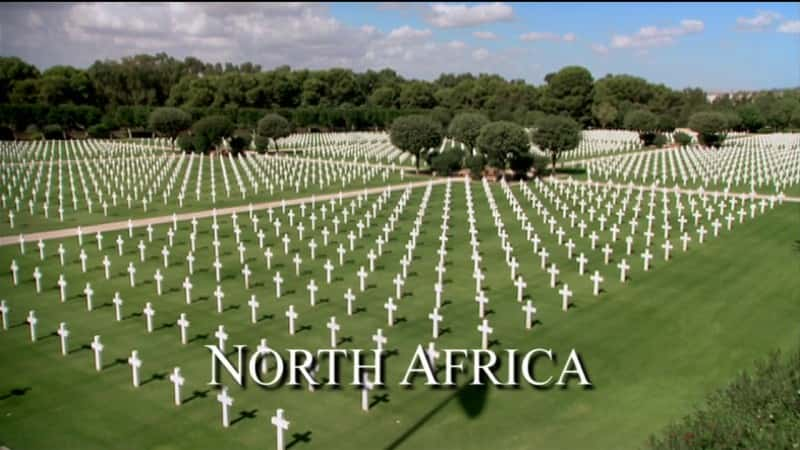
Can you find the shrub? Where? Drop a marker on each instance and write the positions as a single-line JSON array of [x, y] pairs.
[[209, 131], [238, 143], [660, 140], [760, 411], [522, 163], [475, 163], [186, 143], [644, 122], [710, 127], [447, 162], [99, 131], [416, 133], [466, 127], [682, 138], [274, 127], [53, 131], [170, 122], [502, 142]]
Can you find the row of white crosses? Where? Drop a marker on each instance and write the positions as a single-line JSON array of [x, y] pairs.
[[139, 182], [747, 166], [598, 217], [176, 378]]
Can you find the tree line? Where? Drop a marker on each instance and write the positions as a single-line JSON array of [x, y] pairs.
[[121, 94]]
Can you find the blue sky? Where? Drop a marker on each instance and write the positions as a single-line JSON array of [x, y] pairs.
[[713, 46]]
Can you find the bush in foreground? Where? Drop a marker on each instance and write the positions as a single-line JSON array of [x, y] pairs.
[[760, 411]]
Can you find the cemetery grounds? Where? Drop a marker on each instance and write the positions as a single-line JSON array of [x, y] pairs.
[[653, 345]]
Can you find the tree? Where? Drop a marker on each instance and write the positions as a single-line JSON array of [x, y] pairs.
[[415, 133], [502, 142], [709, 126], [752, 119], [569, 91], [604, 113], [12, 71], [644, 122], [466, 127], [272, 127], [556, 135], [170, 122], [209, 131]]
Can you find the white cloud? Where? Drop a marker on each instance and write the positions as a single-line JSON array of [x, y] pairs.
[[600, 49], [485, 35], [480, 54], [652, 36], [460, 16], [456, 44], [761, 20], [547, 36], [407, 33], [792, 26]]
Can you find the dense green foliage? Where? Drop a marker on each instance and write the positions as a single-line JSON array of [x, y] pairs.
[[122, 93], [710, 127], [761, 410], [169, 121], [447, 162], [682, 138], [643, 121], [272, 127], [502, 142], [209, 131], [659, 140], [466, 127], [186, 143], [416, 133], [556, 135], [53, 131]]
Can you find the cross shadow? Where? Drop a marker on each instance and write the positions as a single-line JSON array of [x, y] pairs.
[[445, 331], [80, 349], [132, 315], [376, 399], [164, 326], [117, 362], [298, 438], [229, 307], [244, 415], [104, 305], [198, 337], [359, 309], [399, 320], [53, 334], [303, 328], [196, 395], [154, 377], [16, 392], [265, 317], [344, 340], [493, 343]]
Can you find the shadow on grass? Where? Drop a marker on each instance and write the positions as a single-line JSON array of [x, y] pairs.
[[298, 438], [16, 392], [471, 398]]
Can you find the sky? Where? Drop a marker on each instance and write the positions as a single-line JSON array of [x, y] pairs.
[[714, 46]]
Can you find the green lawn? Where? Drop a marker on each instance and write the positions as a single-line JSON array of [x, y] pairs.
[[653, 347], [25, 222]]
